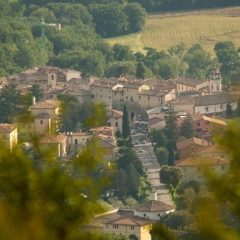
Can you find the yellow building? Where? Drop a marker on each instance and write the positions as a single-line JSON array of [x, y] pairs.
[[211, 158], [45, 115], [122, 223], [9, 134], [57, 144]]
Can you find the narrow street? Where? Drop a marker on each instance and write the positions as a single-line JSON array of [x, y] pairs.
[[149, 161]]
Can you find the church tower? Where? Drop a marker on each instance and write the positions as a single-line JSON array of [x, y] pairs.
[[215, 81]]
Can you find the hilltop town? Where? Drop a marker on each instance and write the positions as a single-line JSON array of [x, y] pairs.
[[119, 120], [197, 108]]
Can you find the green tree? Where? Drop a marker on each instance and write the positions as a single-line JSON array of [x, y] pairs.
[[186, 128], [133, 179], [125, 123], [237, 111], [36, 91], [69, 112], [97, 115], [122, 53], [140, 70], [9, 103], [135, 16], [158, 138], [47, 202], [229, 111], [121, 184], [229, 58], [166, 67], [121, 68], [171, 131], [162, 155], [110, 20], [132, 237], [170, 175], [199, 62]]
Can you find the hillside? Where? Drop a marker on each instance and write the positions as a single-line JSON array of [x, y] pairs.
[[205, 27]]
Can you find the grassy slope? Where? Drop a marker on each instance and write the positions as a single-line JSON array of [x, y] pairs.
[[205, 27]]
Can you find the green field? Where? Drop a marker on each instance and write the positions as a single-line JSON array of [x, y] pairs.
[[163, 31]]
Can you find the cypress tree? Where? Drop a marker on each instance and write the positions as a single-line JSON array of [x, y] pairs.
[[238, 108], [140, 70], [229, 111], [125, 123], [186, 128]]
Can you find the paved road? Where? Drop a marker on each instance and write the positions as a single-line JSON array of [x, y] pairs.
[[147, 156]]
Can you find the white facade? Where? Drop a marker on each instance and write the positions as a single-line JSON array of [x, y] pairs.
[[141, 232], [152, 215], [213, 108]]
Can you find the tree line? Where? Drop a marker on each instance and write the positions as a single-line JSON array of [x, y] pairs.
[[78, 44], [153, 5]]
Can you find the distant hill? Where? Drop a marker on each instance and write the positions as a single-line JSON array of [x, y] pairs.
[[205, 27]]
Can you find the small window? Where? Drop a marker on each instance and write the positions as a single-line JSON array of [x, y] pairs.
[[221, 106], [100, 90], [52, 77], [41, 122], [207, 109], [139, 97], [126, 97], [222, 167], [76, 141], [92, 96], [109, 97], [199, 124], [100, 96], [115, 93], [132, 227], [144, 214], [116, 124]]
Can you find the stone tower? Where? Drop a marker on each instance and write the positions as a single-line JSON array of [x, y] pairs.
[[52, 78], [215, 81]]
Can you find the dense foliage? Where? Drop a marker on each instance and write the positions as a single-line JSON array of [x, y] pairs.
[[153, 5], [78, 44]]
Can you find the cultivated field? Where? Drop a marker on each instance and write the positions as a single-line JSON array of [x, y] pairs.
[[163, 31]]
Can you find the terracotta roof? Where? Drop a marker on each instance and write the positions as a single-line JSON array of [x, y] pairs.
[[189, 81], [78, 134], [154, 206], [155, 120], [53, 139], [214, 120], [101, 129], [193, 140], [219, 98], [49, 104], [131, 221], [202, 161], [184, 100], [116, 113], [6, 128], [212, 149]]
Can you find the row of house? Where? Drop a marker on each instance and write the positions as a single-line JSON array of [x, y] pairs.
[[45, 123], [136, 222]]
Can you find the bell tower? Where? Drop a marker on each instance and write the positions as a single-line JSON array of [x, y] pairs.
[[215, 81]]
